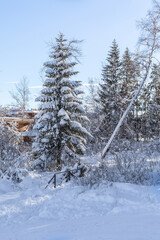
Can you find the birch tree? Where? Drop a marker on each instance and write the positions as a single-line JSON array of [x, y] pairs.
[[21, 94]]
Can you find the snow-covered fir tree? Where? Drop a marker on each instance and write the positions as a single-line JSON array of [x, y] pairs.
[[109, 92], [129, 74], [148, 107], [154, 102], [60, 138], [129, 84]]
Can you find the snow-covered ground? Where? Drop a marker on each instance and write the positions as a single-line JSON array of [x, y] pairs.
[[117, 211]]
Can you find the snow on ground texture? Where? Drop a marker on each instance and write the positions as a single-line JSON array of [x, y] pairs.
[[117, 211]]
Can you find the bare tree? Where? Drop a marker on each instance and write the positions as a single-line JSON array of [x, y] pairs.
[[148, 45], [21, 94], [3, 111]]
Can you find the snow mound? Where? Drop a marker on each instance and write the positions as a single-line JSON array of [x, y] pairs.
[[74, 212]]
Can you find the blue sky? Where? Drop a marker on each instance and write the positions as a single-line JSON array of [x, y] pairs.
[[28, 26]]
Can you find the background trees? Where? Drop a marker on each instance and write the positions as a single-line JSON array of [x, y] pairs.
[[109, 91], [117, 90], [60, 136], [21, 94], [153, 114], [119, 83], [129, 84]]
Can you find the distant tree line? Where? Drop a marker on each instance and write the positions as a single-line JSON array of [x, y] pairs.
[[120, 79]]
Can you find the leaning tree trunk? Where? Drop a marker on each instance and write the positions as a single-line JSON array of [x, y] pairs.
[[149, 42]]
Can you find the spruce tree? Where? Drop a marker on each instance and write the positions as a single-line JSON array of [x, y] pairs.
[[129, 73], [141, 114], [129, 82], [109, 92], [60, 136], [154, 102]]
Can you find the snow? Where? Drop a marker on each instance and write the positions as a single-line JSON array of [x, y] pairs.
[[65, 71], [45, 140], [80, 109], [61, 112], [63, 122], [77, 126], [117, 211], [65, 89], [49, 81], [47, 90], [50, 63], [30, 133], [50, 71], [67, 97]]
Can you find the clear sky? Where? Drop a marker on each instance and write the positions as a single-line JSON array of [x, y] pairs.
[[27, 26]]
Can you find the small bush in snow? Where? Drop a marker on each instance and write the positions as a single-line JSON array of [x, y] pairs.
[[94, 175], [15, 174], [11, 160], [130, 167], [140, 165], [10, 144]]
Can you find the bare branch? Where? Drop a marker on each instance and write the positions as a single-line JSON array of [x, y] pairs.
[[21, 94]]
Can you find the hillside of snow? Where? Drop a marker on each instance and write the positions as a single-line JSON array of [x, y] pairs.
[[117, 211]]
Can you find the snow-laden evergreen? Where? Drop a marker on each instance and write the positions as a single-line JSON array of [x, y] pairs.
[[109, 92], [119, 84], [154, 103], [60, 136], [129, 85], [147, 108], [129, 74]]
